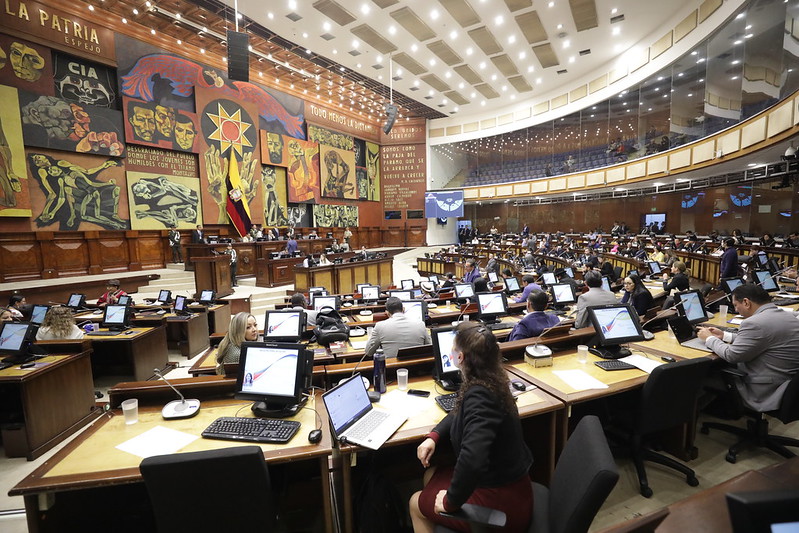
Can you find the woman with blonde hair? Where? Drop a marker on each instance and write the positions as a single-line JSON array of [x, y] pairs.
[[58, 325], [243, 327]]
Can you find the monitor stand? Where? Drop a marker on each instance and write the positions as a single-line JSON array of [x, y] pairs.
[[449, 384], [491, 320], [262, 410], [616, 351]]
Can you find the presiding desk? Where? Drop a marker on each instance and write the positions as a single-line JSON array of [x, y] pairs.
[[344, 278], [91, 474], [46, 403]]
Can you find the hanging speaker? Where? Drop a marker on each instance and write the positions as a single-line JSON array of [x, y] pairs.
[[238, 56], [391, 113]]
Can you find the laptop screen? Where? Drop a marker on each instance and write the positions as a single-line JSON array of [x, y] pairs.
[[115, 315], [346, 403], [464, 290], [12, 335], [415, 310], [605, 283]]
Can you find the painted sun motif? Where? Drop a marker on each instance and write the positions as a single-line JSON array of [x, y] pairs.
[[230, 130]]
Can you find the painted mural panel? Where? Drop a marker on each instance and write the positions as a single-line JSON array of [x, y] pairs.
[[14, 193], [275, 195], [335, 216], [25, 65], [332, 138], [84, 82], [338, 173], [159, 201], [302, 158], [152, 124], [372, 172]]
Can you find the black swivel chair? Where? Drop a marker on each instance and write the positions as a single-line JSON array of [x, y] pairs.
[[668, 400], [756, 431], [237, 476], [583, 478]]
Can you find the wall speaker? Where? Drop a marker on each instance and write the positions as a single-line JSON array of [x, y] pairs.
[[238, 56], [391, 112]]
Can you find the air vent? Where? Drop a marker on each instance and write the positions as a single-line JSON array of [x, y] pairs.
[[428, 97], [327, 37], [414, 88], [377, 67], [617, 18], [294, 17], [585, 52], [354, 53], [563, 71]]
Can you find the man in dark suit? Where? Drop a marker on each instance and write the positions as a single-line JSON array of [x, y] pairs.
[[291, 245], [729, 260], [197, 235]]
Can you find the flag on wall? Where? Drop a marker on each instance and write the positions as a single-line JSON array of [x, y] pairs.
[[237, 208]]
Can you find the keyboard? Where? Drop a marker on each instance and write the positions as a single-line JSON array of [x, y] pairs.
[[104, 333], [613, 365], [499, 325], [3, 366], [785, 301], [725, 329], [447, 401], [364, 427], [274, 430]]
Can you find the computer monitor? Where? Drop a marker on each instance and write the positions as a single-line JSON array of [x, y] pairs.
[[464, 290], [691, 305], [326, 301], [125, 300], [569, 271], [116, 317], [317, 289], [415, 309], [274, 255], [446, 371], [359, 287], [512, 285], [435, 279], [654, 267], [549, 278], [606, 283], [493, 277], [38, 314], [615, 324], [765, 280], [370, 293], [406, 284], [730, 284], [762, 259], [275, 376], [284, 325], [764, 511], [181, 304], [491, 306], [165, 296], [15, 338], [76, 301], [417, 293], [298, 253], [207, 297], [402, 295], [632, 272], [563, 294]]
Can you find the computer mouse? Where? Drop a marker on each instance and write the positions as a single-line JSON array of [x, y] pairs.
[[518, 385], [315, 436], [97, 312], [346, 304], [648, 335], [161, 312], [432, 306]]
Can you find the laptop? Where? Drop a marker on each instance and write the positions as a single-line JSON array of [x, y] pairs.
[[353, 418], [686, 334]]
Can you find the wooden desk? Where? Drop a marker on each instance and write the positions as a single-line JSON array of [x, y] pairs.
[[218, 316], [212, 273], [187, 333], [46, 403], [84, 475], [131, 355], [344, 278]]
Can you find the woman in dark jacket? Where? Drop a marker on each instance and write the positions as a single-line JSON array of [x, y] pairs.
[[636, 294], [678, 279], [492, 460]]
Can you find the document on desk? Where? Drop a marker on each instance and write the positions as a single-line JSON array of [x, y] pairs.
[[579, 380], [157, 441], [402, 402], [642, 363], [358, 345], [737, 319]]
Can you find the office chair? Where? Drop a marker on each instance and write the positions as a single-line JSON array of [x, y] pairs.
[[756, 431], [617, 270], [237, 476], [583, 478], [667, 400]]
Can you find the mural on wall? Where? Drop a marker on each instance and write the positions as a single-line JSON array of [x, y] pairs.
[[302, 161], [51, 122], [299, 215], [159, 202], [14, 194], [361, 179], [152, 124], [275, 200], [273, 146], [372, 172], [25, 65], [77, 191], [332, 138], [84, 82], [338, 173], [335, 216]]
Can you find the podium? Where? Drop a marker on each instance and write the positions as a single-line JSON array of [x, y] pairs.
[[213, 273]]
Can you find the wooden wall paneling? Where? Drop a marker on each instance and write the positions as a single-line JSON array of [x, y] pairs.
[[20, 258], [148, 250], [417, 236], [109, 251], [69, 252], [386, 272], [302, 279]]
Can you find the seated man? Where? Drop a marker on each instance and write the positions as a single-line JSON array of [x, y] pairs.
[[528, 285], [764, 348], [112, 293], [298, 301], [596, 295], [537, 320], [397, 332]]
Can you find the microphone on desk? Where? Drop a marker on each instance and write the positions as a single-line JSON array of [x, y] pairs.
[[537, 350], [182, 408]]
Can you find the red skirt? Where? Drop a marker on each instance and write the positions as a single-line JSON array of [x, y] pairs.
[[514, 499]]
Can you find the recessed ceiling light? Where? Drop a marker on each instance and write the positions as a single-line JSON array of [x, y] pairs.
[[124, 20], [511, 39], [483, 102], [365, 8], [135, 11], [431, 92], [531, 68], [326, 26], [522, 55], [473, 95], [448, 74], [379, 59], [498, 20], [335, 51], [566, 43], [305, 35], [270, 15], [392, 30], [434, 14], [469, 51], [616, 30], [551, 4], [740, 15], [414, 47], [539, 81], [482, 65], [453, 35], [493, 77], [432, 62], [614, 11]]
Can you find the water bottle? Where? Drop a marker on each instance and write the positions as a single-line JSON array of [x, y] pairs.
[[379, 379]]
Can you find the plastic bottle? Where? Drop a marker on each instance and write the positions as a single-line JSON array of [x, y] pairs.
[[379, 379]]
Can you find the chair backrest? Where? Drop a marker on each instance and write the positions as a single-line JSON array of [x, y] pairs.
[[583, 478], [668, 398], [236, 478], [789, 405], [617, 270]]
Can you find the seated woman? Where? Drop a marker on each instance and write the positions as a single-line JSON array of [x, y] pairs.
[[677, 279], [111, 294], [58, 325], [323, 260], [5, 315], [243, 327], [636, 294], [492, 460]]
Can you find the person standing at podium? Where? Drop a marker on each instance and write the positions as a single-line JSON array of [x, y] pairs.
[[291, 245], [197, 236], [174, 243], [234, 263]]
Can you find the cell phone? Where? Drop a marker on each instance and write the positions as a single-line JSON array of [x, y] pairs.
[[668, 359], [417, 392], [27, 365]]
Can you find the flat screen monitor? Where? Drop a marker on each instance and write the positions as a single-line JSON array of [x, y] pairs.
[[14, 338], [491, 306], [654, 267], [569, 271], [370, 293], [38, 314], [563, 294], [762, 259], [326, 301], [434, 279], [549, 278], [165, 296], [273, 374], [446, 369], [317, 289], [512, 285], [207, 297], [115, 316], [765, 280], [691, 305], [274, 255], [406, 284], [125, 300], [632, 272], [493, 277], [417, 293], [181, 303], [730, 284], [764, 511], [606, 283], [464, 290], [359, 287], [76, 301], [315, 295], [402, 295], [284, 325], [415, 309], [615, 324]]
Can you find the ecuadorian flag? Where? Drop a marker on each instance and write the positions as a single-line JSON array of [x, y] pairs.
[[237, 208]]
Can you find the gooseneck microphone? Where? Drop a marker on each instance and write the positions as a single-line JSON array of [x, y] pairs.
[[182, 408]]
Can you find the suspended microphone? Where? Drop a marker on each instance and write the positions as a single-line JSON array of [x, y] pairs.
[[182, 408]]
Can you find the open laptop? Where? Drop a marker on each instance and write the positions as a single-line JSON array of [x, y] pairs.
[[686, 334], [353, 418]]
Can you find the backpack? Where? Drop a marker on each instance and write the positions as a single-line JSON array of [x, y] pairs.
[[330, 327]]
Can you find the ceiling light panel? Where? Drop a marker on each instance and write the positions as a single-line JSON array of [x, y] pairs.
[[456, 97], [368, 35], [530, 24], [505, 65], [584, 14], [485, 40], [461, 11], [520, 84], [409, 63], [435, 82], [334, 12], [413, 24], [487, 91], [467, 73], [447, 54], [546, 55]]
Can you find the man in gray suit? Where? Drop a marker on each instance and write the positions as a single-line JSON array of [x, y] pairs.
[[765, 347], [398, 331], [595, 295]]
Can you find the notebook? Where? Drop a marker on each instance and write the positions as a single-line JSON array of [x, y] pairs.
[[686, 334], [353, 417]]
